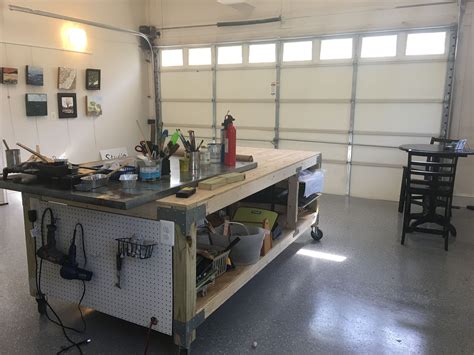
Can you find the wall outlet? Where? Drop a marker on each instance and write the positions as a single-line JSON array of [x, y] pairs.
[[167, 232], [53, 115]]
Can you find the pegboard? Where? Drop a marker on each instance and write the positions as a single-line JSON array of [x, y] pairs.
[[147, 285]]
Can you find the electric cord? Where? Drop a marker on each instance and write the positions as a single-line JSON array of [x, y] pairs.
[[41, 297]]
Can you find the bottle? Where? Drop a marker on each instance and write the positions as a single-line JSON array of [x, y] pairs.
[[230, 156]]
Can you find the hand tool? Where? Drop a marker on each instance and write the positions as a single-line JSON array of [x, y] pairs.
[[148, 152], [5, 143], [119, 258], [175, 137], [199, 146], [42, 157]]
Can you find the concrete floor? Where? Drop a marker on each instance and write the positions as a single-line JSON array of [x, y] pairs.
[[383, 298]]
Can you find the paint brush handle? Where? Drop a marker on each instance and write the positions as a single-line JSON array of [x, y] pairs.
[[5, 143]]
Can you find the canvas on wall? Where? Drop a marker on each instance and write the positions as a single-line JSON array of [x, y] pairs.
[[67, 105], [9, 75], [36, 104], [93, 79], [93, 105], [66, 78], [34, 75]]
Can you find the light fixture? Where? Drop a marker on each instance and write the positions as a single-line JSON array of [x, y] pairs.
[[75, 38], [321, 255]]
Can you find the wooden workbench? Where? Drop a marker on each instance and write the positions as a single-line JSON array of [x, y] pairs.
[[274, 166]]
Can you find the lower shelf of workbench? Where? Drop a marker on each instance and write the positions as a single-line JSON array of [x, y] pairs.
[[229, 283]]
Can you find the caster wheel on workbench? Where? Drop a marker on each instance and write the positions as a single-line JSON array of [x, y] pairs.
[[316, 234]]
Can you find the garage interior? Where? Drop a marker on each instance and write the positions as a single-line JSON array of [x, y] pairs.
[[352, 92]]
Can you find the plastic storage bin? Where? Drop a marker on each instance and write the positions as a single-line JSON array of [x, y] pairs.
[[247, 251]]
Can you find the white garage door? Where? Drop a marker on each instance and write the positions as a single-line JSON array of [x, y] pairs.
[[355, 98]]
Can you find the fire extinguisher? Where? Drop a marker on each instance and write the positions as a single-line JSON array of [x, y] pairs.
[[230, 137]]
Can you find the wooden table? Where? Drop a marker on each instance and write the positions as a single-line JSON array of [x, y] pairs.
[[274, 166]]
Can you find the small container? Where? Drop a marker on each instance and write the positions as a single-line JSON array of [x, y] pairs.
[[13, 157], [184, 164], [151, 172], [204, 156], [129, 181], [194, 161], [215, 152]]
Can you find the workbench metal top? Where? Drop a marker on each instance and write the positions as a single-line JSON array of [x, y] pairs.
[[114, 196]]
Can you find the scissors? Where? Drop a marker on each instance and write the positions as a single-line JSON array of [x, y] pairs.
[[140, 148]]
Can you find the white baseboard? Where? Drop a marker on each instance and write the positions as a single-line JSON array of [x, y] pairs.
[[463, 201]]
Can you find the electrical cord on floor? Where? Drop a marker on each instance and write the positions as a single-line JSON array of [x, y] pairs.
[[43, 304]]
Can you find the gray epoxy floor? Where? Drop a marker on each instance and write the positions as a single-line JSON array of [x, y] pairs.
[[382, 299]]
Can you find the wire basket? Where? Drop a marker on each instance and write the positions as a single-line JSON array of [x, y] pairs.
[[135, 248]]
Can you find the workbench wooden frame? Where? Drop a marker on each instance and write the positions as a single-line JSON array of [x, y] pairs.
[[189, 311]]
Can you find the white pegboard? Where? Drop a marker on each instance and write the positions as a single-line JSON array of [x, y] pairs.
[[147, 285]]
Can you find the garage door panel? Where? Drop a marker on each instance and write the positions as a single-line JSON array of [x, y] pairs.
[[254, 144], [316, 137], [186, 85], [245, 84], [407, 118], [401, 81], [329, 151], [376, 183], [187, 113], [393, 141], [335, 178], [248, 114], [255, 134], [378, 155], [315, 116], [316, 83]]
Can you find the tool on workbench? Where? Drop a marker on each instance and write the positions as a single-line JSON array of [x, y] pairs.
[[118, 259], [147, 148], [40, 156], [95, 181], [6, 145], [186, 192]]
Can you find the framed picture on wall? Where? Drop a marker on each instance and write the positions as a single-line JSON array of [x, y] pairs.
[[36, 104], [67, 105], [9, 76], [34, 75], [93, 105], [66, 78], [93, 79]]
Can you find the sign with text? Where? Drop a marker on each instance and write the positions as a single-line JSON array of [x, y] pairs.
[[114, 153]]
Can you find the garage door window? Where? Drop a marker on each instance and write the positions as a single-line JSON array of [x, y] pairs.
[[200, 56], [379, 46], [172, 58], [297, 51], [229, 55], [426, 43], [336, 49], [262, 53]]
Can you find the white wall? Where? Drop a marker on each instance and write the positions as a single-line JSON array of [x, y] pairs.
[[463, 115], [300, 17], [125, 79]]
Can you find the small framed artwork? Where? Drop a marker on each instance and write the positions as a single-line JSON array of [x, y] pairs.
[[10, 76], [67, 106], [66, 78], [36, 104], [93, 79], [93, 105], [34, 75]]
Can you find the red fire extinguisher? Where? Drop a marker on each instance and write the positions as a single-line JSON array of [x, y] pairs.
[[230, 136]]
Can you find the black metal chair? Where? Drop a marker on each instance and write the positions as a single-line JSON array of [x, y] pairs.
[[401, 201], [432, 178]]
